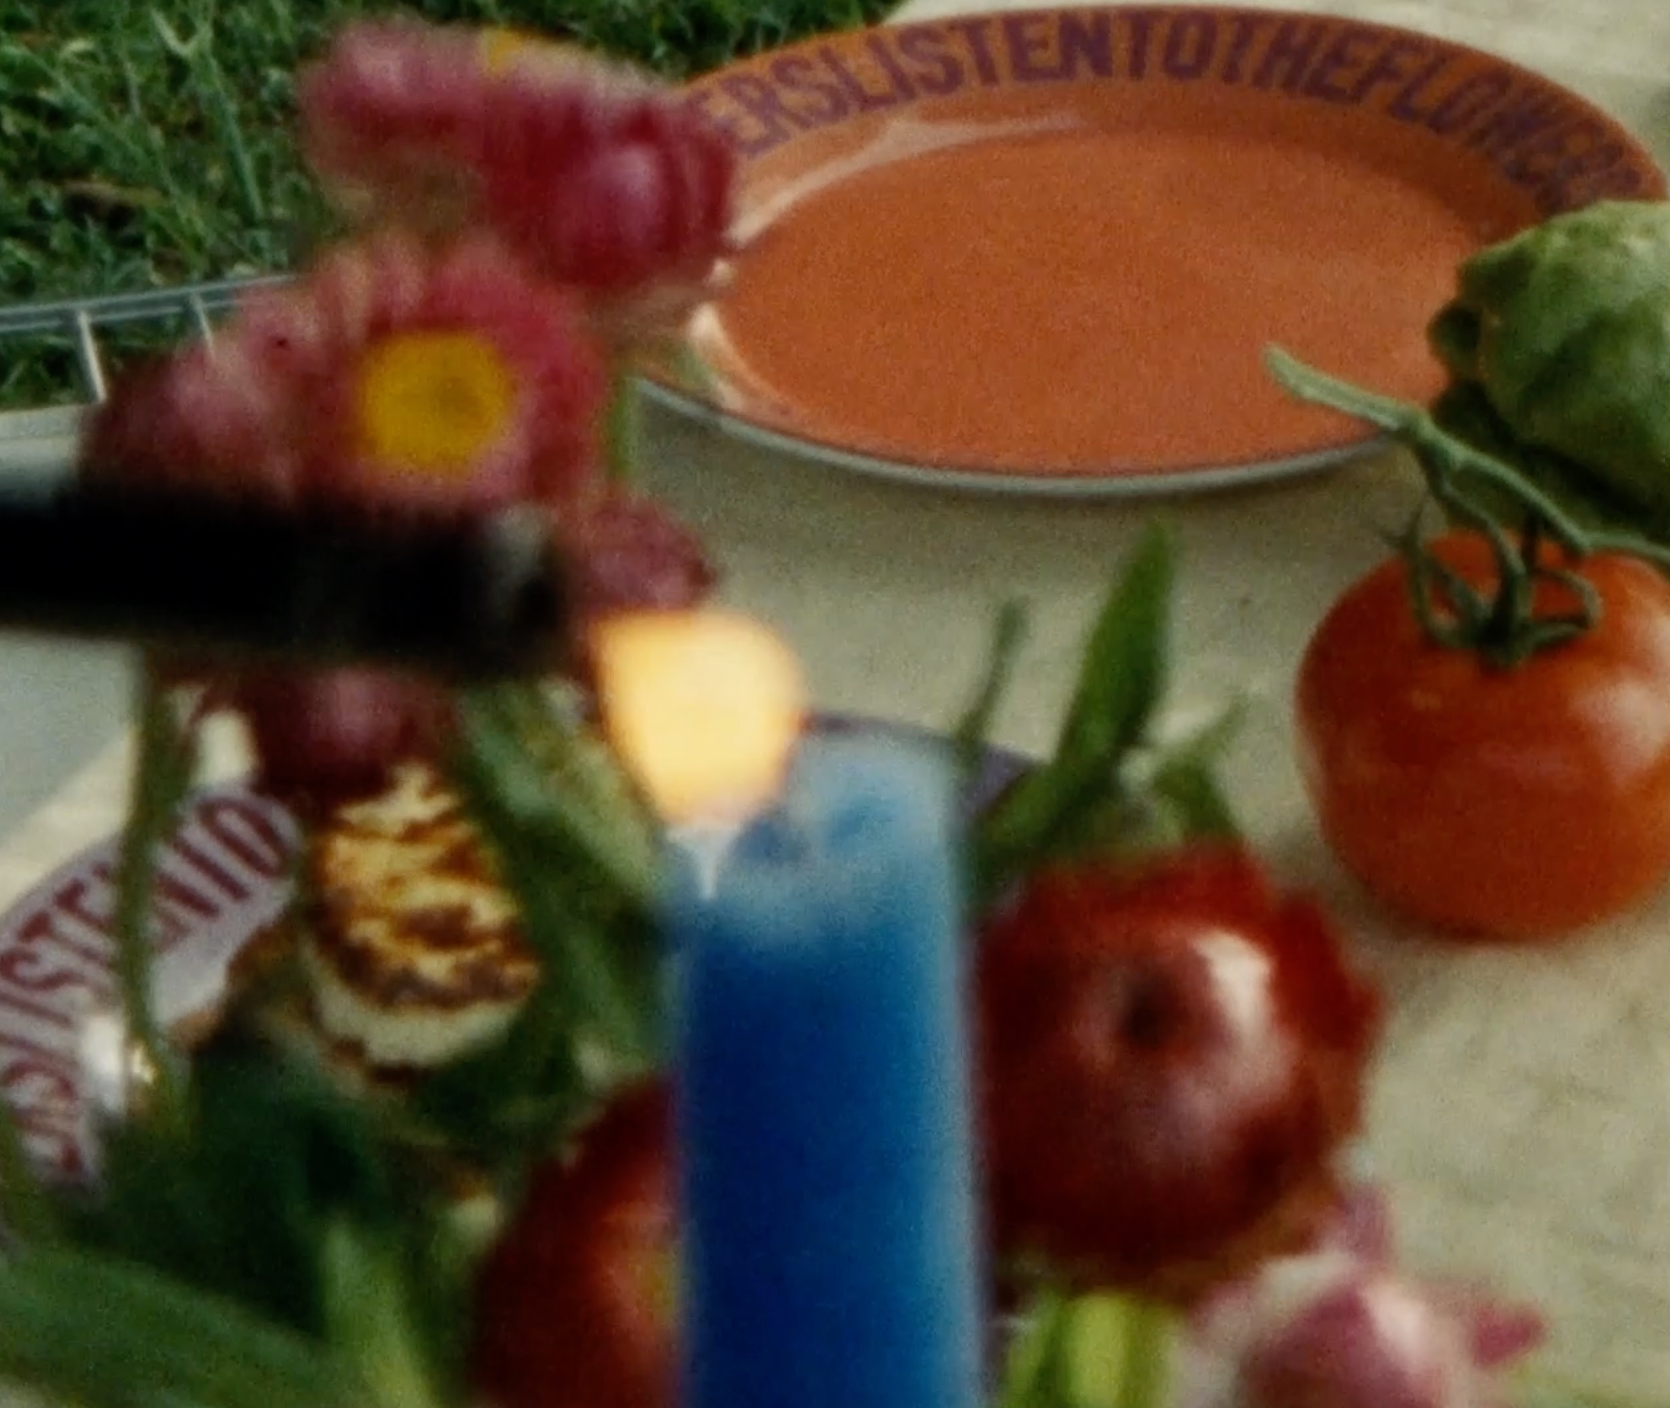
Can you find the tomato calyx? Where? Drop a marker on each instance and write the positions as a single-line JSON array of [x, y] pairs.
[[1504, 627], [1510, 624]]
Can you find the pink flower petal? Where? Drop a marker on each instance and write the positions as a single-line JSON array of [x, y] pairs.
[[1370, 1344], [330, 736], [1340, 1328], [1364, 1225], [606, 184], [629, 554], [1498, 1331], [391, 114]]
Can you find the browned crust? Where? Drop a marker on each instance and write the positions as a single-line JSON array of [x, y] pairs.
[[492, 961]]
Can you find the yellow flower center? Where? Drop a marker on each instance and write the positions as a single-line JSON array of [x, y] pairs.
[[500, 48], [431, 403]]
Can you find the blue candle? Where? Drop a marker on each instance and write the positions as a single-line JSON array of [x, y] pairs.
[[830, 1253]]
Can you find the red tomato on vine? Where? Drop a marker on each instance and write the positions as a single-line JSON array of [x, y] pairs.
[[1508, 800]]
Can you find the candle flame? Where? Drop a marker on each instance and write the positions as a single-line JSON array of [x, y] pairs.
[[704, 708]]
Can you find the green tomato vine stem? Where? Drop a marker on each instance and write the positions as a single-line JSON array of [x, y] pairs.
[[1506, 628]]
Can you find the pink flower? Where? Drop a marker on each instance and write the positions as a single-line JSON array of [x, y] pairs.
[[596, 175], [453, 381], [605, 182], [389, 378], [332, 736], [1171, 1051], [200, 419], [629, 554], [391, 120], [1339, 1327]]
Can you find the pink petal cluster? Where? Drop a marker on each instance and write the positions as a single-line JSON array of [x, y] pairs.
[[519, 199], [199, 419], [603, 182], [1339, 1327], [629, 554], [599, 178], [1171, 1050], [267, 410], [332, 736], [392, 120]]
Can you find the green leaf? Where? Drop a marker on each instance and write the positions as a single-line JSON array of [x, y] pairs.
[[1147, 1332], [1121, 683], [1465, 412], [1091, 1351], [26, 1209], [580, 855], [625, 433], [1031, 1367], [103, 1334], [517, 1099], [236, 1198], [371, 1319], [533, 770], [972, 730], [1123, 677], [1185, 779]]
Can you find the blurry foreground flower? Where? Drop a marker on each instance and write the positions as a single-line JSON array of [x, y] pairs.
[[386, 379], [391, 121], [390, 380], [604, 182], [195, 420], [595, 175], [629, 554], [330, 736], [1340, 1328], [444, 382], [1197, 1044]]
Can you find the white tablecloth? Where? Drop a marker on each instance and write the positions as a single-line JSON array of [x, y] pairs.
[[1522, 1108]]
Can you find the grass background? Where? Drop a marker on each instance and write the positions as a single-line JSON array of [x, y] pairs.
[[149, 144]]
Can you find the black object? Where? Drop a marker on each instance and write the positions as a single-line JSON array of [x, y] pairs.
[[469, 599]]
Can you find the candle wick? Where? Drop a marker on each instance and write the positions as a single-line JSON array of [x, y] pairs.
[[707, 841]]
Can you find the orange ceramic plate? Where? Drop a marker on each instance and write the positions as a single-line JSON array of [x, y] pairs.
[[1044, 250]]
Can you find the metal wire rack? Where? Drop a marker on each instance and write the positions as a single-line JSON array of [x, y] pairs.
[[42, 439]]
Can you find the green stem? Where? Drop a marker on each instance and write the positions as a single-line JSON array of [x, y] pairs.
[[160, 776], [1034, 1354], [1416, 429], [1510, 630], [975, 725], [625, 428]]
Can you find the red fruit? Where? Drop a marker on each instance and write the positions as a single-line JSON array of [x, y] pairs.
[[575, 1305], [1171, 1053]]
